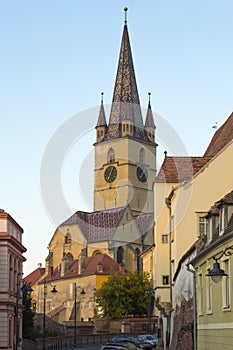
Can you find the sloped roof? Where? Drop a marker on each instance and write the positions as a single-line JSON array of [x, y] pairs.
[[178, 169], [101, 119], [214, 209], [34, 276], [221, 138], [144, 222], [100, 226], [149, 123], [125, 85], [90, 267], [97, 226]]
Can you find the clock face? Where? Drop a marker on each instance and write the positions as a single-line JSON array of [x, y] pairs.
[[110, 174], [142, 174]]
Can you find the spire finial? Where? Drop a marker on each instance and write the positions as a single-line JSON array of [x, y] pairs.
[[149, 93], [102, 97], [125, 9]]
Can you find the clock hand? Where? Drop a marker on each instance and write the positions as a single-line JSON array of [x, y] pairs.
[[109, 177]]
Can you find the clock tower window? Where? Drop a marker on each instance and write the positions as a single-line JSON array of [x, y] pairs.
[[141, 155], [111, 156]]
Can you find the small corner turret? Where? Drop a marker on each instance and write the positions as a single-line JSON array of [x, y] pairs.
[[101, 127], [149, 124]]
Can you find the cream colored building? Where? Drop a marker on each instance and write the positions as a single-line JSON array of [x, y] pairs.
[[184, 190], [11, 261]]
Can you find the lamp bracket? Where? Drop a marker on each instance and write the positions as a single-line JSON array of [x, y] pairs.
[[227, 252]]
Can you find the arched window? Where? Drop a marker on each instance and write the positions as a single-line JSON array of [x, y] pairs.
[[138, 260], [69, 257], [96, 252], [120, 255], [141, 155], [68, 238], [111, 156]]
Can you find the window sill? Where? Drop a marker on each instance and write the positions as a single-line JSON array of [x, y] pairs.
[[209, 312], [226, 308]]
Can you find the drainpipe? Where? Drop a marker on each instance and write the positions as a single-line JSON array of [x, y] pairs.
[[191, 269], [168, 202]]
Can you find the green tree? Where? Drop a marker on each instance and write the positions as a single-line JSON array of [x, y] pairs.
[[29, 332], [124, 295]]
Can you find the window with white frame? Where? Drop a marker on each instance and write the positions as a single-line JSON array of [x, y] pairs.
[[221, 221], [165, 280], [202, 225], [226, 285], [209, 230], [200, 294]]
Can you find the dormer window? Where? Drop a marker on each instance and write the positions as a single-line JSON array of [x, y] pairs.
[[222, 220], [202, 225], [209, 230], [111, 156]]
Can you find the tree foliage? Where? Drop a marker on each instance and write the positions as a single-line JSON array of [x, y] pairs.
[[124, 295]]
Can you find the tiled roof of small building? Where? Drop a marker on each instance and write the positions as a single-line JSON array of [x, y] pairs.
[[221, 138], [90, 267], [34, 276], [178, 169]]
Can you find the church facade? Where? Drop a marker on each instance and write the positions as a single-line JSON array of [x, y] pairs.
[[121, 224]]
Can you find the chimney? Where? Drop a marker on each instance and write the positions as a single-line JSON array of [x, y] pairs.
[[39, 265], [81, 263]]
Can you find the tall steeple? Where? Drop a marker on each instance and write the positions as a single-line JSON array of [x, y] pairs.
[[125, 102]]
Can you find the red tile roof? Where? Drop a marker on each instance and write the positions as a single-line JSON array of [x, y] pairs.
[[34, 276], [56, 311], [221, 138], [214, 209], [178, 169], [90, 267]]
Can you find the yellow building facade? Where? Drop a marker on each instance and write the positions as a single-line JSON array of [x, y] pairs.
[[184, 190]]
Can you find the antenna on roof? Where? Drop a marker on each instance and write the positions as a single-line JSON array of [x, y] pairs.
[[215, 126]]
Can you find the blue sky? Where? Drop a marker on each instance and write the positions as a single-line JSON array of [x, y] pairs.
[[56, 58]]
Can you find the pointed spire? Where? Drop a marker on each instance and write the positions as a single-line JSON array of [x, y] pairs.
[[125, 102], [102, 118], [149, 116]]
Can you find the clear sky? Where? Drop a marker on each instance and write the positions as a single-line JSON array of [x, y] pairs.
[[57, 57]]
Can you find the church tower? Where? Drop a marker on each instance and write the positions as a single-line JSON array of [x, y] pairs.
[[125, 148]]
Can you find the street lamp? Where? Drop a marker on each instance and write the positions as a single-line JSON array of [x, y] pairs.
[[216, 273], [75, 311], [53, 291], [26, 290], [150, 293]]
